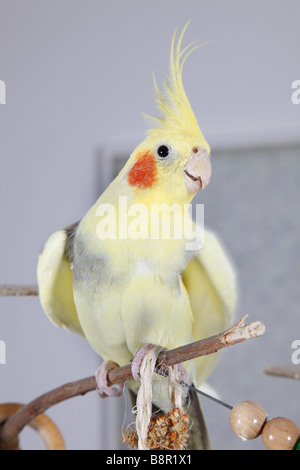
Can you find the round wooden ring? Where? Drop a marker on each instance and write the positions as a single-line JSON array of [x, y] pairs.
[[44, 426]]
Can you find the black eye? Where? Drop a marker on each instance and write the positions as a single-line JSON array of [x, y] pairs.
[[163, 151]]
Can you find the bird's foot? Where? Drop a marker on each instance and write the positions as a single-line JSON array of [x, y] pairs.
[[138, 359], [104, 389]]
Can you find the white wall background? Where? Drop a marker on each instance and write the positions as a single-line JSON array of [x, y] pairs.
[[78, 74]]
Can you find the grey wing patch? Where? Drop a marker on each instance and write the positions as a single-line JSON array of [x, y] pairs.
[[70, 232]]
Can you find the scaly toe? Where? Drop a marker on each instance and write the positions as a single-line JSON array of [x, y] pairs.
[[101, 375], [138, 359]]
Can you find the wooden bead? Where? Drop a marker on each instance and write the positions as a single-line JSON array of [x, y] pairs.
[[247, 420], [280, 434]]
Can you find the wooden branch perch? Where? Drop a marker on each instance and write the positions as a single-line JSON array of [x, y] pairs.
[[18, 291], [237, 334]]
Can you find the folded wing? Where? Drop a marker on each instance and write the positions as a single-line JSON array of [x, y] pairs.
[[210, 281], [55, 280]]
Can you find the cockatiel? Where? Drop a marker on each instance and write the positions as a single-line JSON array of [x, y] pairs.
[[122, 293]]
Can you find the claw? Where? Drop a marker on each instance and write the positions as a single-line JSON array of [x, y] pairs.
[[184, 374]]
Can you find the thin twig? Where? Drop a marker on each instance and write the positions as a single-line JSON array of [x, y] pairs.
[[288, 372], [238, 333], [18, 291]]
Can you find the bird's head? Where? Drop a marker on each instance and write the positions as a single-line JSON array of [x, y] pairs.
[[173, 161]]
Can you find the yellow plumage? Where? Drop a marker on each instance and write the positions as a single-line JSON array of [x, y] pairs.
[[178, 118], [124, 292]]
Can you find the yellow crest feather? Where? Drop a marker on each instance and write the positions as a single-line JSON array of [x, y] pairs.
[[178, 117]]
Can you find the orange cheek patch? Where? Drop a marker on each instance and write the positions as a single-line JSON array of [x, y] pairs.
[[144, 172]]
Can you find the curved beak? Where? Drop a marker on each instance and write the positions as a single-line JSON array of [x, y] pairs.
[[197, 172]]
